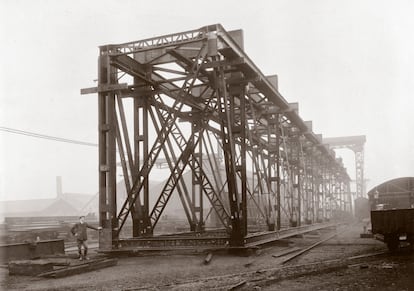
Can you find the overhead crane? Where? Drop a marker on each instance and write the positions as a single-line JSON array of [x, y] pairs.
[[196, 96]]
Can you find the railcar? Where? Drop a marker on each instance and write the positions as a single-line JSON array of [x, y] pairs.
[[392, 211]]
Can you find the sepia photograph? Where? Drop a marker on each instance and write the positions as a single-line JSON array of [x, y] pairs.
[[206, 145]]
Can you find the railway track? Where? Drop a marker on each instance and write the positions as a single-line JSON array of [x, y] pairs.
[[287, 265], [265, 277]]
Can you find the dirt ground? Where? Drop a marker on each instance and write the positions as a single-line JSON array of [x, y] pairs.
[[188, 272], [391, 273]]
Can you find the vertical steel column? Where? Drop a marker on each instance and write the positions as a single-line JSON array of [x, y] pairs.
[[145, 148], [273, 174], [140, 143], [349, 195], [319, 199], [310, 186], [323, 189], [107, 153], [278, 199], [302, 179], [339, 190], [288, 174], [329, 192], [307, 185], [343, 194], [313, 183], [238, 120], [299, 191], [136, 210], [331, 189], [327, 206], [197, 193], [236, 237], [359, 167], [296, 178], [105, 236], [243, 150], [141, 218], [269, 175], [318, 172], [332, 192]]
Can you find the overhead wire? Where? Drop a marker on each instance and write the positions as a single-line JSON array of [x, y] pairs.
[[48, 137]]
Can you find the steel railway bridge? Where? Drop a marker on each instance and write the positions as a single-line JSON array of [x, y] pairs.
[[195, 100]]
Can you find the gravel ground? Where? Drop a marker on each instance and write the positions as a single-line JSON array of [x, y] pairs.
[[188, 272]]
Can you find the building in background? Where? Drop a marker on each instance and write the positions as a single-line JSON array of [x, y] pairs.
[[64, 204]]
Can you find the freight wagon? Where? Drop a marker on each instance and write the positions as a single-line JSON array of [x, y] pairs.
[[392, 211]]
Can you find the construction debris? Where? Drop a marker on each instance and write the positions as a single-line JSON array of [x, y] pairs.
[[207, 260], [248, 264], [238, 285]]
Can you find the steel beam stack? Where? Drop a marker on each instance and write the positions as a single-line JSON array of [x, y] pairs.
[[196, 101]]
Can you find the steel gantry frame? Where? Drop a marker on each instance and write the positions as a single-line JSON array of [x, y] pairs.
[[356, 144], [196, 98]]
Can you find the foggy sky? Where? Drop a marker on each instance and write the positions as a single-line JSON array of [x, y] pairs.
[[349, 64]]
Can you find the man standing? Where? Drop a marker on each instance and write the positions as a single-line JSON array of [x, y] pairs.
[[79, 231]]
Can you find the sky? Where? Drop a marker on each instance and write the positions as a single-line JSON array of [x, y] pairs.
[[349, 64]]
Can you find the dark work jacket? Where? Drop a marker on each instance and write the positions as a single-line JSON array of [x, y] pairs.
[[79, 230]]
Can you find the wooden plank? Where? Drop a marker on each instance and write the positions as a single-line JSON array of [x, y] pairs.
[[29, 267], [81, 268]]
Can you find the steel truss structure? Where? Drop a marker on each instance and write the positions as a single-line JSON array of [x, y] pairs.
[[196, 101], [355, 144]]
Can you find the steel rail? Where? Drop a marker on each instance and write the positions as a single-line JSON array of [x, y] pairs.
[[301, 252]]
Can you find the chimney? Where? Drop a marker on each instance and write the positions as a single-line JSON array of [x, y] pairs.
[[58, 186]]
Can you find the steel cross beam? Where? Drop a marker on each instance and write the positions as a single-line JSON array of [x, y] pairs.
[[171, 161], [200, 177]]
